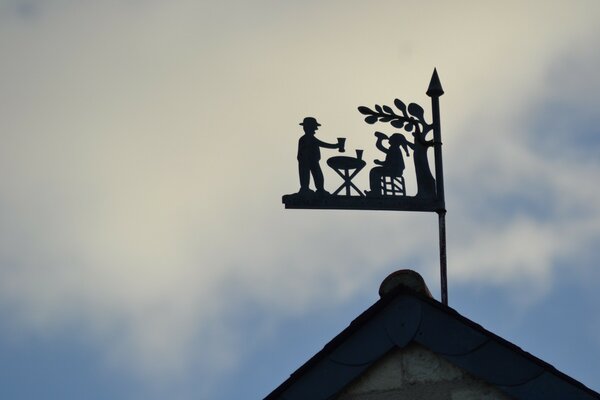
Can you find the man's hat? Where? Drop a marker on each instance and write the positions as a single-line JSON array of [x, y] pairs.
[[310, 121]]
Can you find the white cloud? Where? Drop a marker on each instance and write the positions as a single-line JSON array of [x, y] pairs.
[[145, 148]]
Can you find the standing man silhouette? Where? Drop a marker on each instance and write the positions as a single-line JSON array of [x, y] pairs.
[[309, 155]]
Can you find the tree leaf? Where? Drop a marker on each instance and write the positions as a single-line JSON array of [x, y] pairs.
[[416, 110], [388, 110], [378, 108], [371, 119], [365, 110], [397, 123], [409, 127], [400, 105]]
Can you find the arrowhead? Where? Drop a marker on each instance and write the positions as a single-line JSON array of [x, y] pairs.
[[435, 87]]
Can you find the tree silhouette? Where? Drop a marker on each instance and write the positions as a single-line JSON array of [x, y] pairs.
[[412, 120]]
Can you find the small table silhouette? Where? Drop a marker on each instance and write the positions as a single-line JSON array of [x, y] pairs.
[[343, 165]]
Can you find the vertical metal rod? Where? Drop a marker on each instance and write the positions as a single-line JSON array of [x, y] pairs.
[[443, 270], [434, 92], [437, 151]]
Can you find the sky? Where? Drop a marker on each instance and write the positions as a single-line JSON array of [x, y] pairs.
[[146, 144]]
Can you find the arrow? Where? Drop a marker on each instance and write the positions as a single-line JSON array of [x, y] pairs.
[[435, 87]]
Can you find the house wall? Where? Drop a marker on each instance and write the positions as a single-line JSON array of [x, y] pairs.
[[417, 373]]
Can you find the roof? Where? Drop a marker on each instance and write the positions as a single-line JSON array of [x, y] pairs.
[[404, 316]]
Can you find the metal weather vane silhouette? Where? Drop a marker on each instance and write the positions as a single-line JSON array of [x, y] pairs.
[[387, 187]]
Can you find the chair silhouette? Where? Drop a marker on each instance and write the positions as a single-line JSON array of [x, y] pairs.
[[393, 185]]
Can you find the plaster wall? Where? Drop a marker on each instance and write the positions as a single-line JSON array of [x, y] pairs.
[[417, 373]]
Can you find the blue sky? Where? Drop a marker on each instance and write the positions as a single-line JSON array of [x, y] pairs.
[[144, 249]]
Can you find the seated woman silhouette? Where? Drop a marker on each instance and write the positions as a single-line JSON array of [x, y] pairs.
[[393, 165]]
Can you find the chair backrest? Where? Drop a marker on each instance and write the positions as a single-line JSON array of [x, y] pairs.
[[393, 186]]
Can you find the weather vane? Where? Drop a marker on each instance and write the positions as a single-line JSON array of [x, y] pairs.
[[387, 186]]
